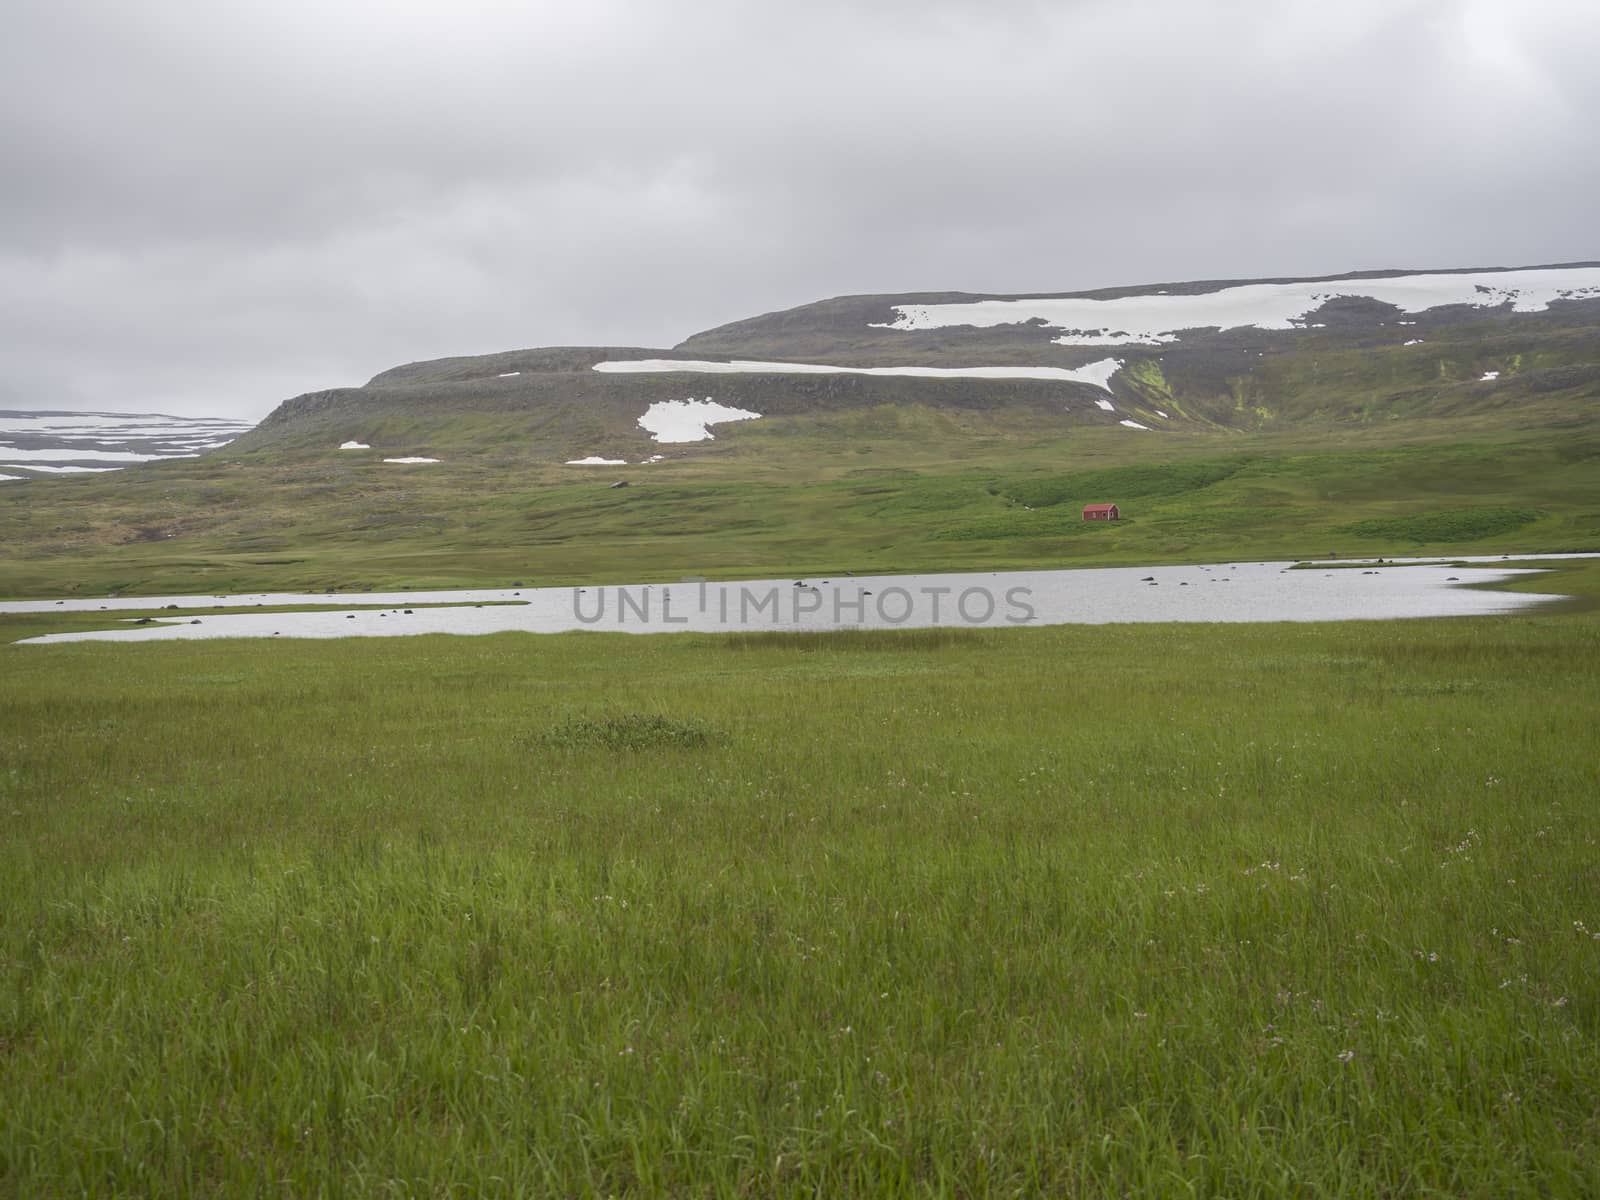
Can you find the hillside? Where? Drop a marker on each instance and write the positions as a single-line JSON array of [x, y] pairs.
[[1214, 315], [1317, 354], [1378, 412]]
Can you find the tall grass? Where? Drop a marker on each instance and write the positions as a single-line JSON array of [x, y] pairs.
[[1229, 911]]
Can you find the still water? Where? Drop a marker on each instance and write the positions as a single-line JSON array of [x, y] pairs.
[[1221, 592]]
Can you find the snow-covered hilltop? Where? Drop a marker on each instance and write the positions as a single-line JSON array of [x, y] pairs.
[[1160, 317], [1064, 329], [38, 444]]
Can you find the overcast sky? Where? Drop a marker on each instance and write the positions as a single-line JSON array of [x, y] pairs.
[[210, 206]]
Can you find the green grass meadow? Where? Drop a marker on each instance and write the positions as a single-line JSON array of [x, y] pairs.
[[1242, 911], [882, 491]]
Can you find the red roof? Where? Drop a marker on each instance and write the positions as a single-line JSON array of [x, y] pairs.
[[1099, 508]]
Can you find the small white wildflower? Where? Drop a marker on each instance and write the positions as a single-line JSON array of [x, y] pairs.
[[1346, 1055]]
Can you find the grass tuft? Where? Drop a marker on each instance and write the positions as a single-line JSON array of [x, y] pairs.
[[846, 641], [625, 732]]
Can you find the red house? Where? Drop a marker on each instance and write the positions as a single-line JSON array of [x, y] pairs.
[[1100, 512]]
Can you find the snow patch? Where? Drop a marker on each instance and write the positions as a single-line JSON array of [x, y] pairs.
[[1162, 415], [1095, 374], [57, 470], [354, 446], [87, 438], [689, 420], [114, 423], [1412, 342], [9, 478], [411, 460], [1161, 318], [83, 455], [1106, 405], [507, 374], [1487, 376], [1133, 425], [593, 461]]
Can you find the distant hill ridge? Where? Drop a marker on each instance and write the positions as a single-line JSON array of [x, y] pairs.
[[847, 323], [1215, 353]]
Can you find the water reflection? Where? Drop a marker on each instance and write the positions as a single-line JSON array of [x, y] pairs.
[[1218, 592]]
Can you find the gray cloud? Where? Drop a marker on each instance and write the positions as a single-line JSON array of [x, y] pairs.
[[211, 207]]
